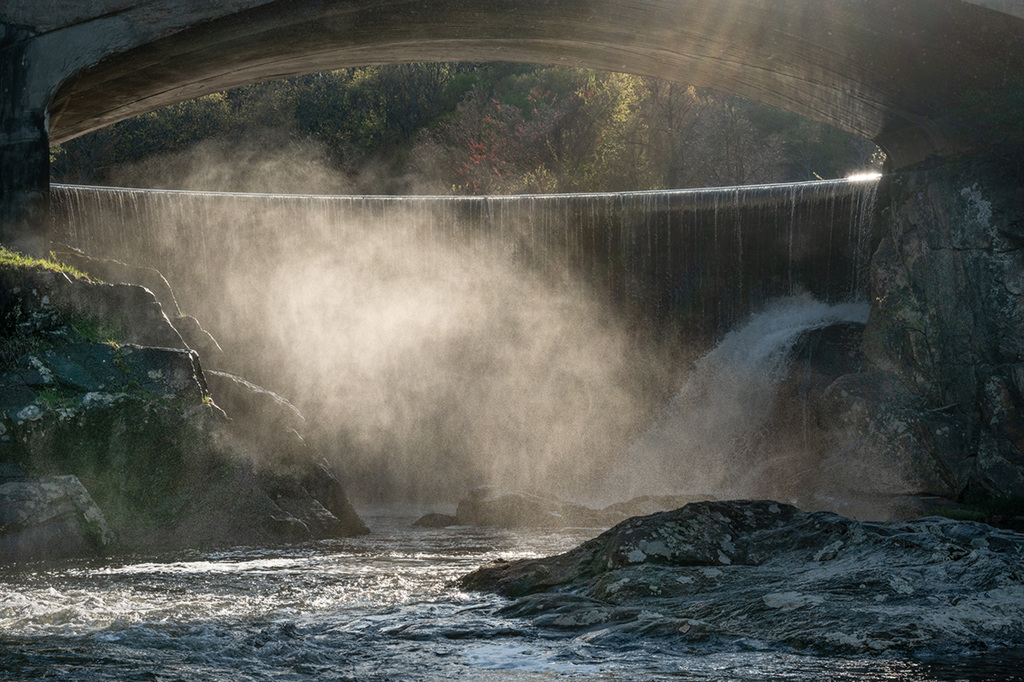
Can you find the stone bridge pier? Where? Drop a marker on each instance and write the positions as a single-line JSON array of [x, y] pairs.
[[938, 84], [24, 148]]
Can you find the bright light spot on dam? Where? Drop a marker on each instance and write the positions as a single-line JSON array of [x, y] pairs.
[[866, 176]]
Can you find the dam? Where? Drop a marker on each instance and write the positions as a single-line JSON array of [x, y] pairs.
[[695, 260]]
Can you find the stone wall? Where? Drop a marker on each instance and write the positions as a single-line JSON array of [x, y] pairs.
[[24, 150]]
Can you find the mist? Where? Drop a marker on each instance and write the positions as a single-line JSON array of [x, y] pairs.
[[426, 369], [713, 438], [430, 357]]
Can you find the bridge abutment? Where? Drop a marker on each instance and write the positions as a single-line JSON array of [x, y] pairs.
[[24, 150], [948, 311]]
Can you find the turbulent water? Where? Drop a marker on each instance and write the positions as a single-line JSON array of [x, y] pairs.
[[695, 445], [381, 607]]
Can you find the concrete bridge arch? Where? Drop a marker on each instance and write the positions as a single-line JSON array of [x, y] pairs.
[[909, 74]]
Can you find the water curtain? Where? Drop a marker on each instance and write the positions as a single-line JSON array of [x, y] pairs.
[[698, 259]]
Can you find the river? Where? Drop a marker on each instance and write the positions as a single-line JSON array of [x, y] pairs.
[[378, 607]]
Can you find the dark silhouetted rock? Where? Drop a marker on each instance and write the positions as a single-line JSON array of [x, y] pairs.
[[435, 520], [728, 572], [486, 506]]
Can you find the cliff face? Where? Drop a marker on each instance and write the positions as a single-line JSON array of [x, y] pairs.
[[95, 383], [947, 321]]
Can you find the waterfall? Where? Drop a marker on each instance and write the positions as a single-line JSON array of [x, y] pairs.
[[699, 260], [700, 443], [519, 341]]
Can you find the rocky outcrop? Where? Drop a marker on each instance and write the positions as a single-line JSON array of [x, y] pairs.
[[49, 518], [31, 299], [947, 323], [723, 573], [111, 271], [489, 506], [137, 427]]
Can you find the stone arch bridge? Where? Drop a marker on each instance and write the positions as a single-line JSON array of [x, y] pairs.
[[939, 84]]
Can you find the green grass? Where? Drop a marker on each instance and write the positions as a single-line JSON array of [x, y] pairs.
[[54, 400], [96, 330], [15, 259]]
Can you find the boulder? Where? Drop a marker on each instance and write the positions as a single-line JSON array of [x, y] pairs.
[[486, 506], [49, 518], [435, 520], [263, 414], [728, 573], [321, 483]]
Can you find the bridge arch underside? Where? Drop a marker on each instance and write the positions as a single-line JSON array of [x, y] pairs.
[[909, 75]]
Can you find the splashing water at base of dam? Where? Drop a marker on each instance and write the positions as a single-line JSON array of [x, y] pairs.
[[376, 608], [700, 443]]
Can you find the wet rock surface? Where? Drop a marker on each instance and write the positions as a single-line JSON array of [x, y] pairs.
[[83, 399], [751, 573]]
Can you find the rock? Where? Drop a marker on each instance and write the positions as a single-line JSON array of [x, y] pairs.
[[435, 520], [199, 340], [881, 443], [725, 573], [49, 518], [256, 410], [115, 272], [486, 506], [324, 486], [947, 321], [135, 425], [317, 503], [39, 300]]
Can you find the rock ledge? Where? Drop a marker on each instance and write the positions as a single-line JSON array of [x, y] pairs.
[[747, 572]]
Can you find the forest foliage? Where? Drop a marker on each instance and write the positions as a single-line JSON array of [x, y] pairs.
[[461, 128]]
